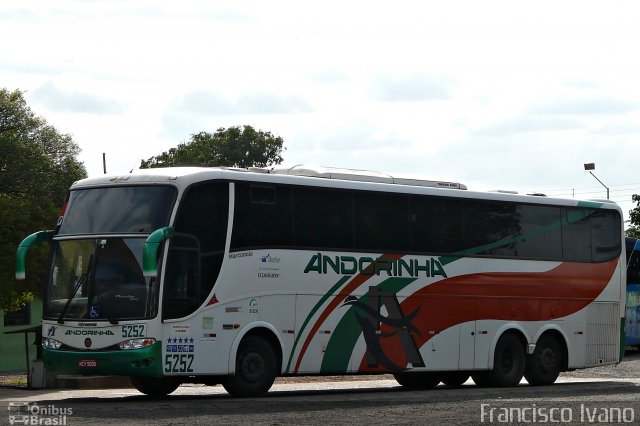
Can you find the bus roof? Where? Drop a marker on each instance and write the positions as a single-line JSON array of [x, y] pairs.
[[159, 175], [182, 177]]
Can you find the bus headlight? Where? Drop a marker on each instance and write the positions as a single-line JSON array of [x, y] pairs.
[[136, 343], [51, 343]]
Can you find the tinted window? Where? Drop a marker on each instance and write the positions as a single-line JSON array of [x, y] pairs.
[[263, 216], [605, 235], [125, 209], [540, 232], [381, 221], [318, 218], [436, 225], [197, 249], [323, 218], [576, 235], [491, 228]]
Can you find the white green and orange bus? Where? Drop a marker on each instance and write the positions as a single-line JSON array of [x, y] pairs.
[[236, 277]]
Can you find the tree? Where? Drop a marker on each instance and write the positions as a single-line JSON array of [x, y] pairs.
[[634, 218], [37, 166], [232, 147]]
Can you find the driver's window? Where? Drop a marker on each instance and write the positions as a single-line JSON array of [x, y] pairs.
[[197, 249]]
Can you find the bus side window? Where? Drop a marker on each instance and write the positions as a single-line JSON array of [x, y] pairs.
[[606, 243], [323, 218], [197, 249], [436, 225], [540, 236], [495, 226], [263, 216], [381, 221], [576, 235]]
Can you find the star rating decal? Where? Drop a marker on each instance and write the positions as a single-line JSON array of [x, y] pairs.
[[180, 344]]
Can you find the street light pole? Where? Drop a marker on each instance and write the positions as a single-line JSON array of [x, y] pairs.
[[592, 166]]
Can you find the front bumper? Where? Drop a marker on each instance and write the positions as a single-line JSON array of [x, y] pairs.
[[134, 362]]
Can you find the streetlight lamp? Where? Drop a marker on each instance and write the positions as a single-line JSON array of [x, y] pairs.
[[592, 166]]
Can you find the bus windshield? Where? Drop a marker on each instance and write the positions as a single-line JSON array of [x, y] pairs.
[[98, 275], [99, 279], [124, 210]]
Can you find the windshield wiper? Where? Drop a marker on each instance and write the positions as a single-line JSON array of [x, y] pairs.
[[82, 280]]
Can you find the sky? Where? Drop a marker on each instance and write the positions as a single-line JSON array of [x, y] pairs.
[[508, 95]]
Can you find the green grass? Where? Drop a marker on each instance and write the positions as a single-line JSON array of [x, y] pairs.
[[13, 380]]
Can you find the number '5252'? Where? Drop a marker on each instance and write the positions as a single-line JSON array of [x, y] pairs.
[[178, 363], [133, 330]]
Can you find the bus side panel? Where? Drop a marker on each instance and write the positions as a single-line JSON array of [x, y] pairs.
[[280, 312], [305, 305], [575, 330]]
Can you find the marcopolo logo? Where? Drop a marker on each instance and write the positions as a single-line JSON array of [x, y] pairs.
[[89, 333], [240, 255], [349, 265]]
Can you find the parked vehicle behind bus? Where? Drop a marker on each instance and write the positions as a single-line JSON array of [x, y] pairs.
[[633, 291]]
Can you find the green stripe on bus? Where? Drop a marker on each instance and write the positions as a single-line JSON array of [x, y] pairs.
[[572, 216], [312, 313], [344, 338], [590, 204]]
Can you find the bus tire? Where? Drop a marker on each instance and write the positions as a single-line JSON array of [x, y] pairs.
[[508, 362], [543, 366], [455, 379], [156, 387], [417, 380], [256, 368]]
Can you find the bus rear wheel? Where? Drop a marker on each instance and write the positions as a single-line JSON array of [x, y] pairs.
[[418, 380], [543, 366], [256, 368], [155, 386]]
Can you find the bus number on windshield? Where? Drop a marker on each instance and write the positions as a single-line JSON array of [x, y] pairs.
[[133, 330]]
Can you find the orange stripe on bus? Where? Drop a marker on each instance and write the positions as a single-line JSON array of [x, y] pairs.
[[508, 296]]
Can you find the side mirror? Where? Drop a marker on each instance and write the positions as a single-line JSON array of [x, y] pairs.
[[21, 252], [150, 254]]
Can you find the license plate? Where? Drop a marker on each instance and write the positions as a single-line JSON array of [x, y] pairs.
[[88, 363]]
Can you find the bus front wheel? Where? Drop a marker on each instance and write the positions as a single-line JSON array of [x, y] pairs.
[[155, 386], [256, 368]]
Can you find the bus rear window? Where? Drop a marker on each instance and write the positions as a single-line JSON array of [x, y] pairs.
[[125, 209]]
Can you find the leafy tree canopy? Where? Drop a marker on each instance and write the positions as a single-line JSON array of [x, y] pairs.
[[233, 147], [634, 218], [37, 166]]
